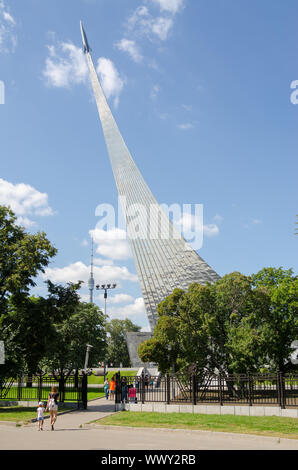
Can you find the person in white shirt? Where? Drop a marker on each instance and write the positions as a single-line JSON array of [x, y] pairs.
[[40, 415]]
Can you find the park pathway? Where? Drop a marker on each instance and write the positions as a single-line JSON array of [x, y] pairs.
[[96, 409]]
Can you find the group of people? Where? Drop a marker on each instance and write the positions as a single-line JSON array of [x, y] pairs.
[[52, 406], [109, 388], [128, 391]]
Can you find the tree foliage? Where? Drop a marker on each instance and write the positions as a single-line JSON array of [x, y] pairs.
[[22, 256], [117, 352], [239, 323], [85, 324]]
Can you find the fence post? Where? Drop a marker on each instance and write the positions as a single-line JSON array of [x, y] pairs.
[[62, 388], [283, 390], [220, 389], [142, 389], [249, 388], [280, 382], [194, 388], [76, 379], [84, 390], [19, 387], [118, 391], [168, 389], [39, 388]]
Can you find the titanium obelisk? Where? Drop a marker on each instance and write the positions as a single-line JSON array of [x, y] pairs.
[[162, 262]]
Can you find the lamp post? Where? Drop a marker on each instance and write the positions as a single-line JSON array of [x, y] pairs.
[[105, 288], [89, 346]]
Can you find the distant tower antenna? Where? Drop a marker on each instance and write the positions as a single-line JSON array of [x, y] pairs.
[[91, 279]]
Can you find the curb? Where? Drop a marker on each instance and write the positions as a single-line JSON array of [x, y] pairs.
[[33, 420], [12, 423], [214, 434]]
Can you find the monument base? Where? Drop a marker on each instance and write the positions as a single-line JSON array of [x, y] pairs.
[[134, 339]]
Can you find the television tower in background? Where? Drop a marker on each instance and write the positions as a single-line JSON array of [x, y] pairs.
[[91, 279]]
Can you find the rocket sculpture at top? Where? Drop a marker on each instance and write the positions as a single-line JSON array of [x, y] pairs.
[[162, 263]]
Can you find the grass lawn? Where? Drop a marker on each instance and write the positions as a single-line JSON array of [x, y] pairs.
[[97, 379], [95, 393], [266, 426], [32, 394], [21, 413]]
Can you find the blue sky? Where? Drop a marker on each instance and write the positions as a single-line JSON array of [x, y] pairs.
[[201, 93]]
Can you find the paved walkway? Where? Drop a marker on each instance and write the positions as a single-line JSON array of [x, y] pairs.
[[72, 432]]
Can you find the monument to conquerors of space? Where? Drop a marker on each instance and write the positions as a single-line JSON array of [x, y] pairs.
[[162, 262]]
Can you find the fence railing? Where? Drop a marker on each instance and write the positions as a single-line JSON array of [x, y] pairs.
[[37, 388], [244, 389]]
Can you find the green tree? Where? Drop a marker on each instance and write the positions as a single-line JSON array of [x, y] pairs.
[[212, 326], [280, 321], [22, 257], [28, 325], [85, 324], [117, 351]]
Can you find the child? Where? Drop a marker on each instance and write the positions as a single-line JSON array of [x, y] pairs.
[[40, 415], [112, 388], [132, 394], [106, 389]]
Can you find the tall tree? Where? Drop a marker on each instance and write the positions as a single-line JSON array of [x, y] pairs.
[[280, 321], [213, 326], [28, 326], [22, 257], [86, 324], [117, 352]]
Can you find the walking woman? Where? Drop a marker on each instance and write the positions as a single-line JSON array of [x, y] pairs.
[[52, 406]]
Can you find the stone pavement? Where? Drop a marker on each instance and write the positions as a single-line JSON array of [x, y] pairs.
[[73, 433]]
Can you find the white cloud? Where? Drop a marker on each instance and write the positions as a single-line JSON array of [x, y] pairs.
[[103, 262], [121, 299], [84, 297], [139, 14], [24, 200], [25, 222], [132, 311], [111, 81], [130, 46], [65, 65], [211, 230], [142, 23], [171, 6], [185, 126], [8, 38], [7, 16], [80, 272], [84, 243], [161, 27], [111, 243]]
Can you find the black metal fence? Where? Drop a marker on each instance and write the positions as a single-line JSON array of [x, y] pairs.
[[244, 389], [37, 387]]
